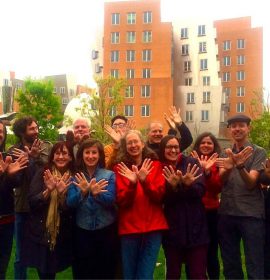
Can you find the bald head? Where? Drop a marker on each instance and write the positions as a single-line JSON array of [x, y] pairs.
[[155, 132]]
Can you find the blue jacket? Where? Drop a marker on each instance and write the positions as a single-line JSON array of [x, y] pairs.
[[94, 212]]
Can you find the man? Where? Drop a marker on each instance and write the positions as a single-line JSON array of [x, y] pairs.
[[242, 204], [26, 130], [155, 131]]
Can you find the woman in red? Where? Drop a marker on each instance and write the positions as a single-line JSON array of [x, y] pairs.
[[140, 189], [206, 150]]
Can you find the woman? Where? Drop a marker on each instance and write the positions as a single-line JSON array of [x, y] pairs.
[[140, 191], [48, 238], [92, 193], [206, 150], [187, 238]]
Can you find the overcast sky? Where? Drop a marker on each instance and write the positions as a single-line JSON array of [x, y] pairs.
[[50, 37]]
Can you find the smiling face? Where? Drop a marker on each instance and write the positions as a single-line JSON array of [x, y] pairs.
[[81, 128], [239, 131], [31, 133], [91, 157], [172, 151], [120, 126], [61, 159], [206, 146], [134, 145], [155, 133]]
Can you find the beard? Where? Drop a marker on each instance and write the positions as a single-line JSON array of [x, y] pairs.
[[30, 138]]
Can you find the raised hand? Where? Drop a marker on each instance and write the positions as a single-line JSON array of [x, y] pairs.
[[266, 167], [82, 183], [191, 175], [169, 121], [20, 163], [145, 169], [205, 162], [49, 180], [172, 177], [35, 149], [98, 187], [116, 136], [126, 172], [175, 115], [63, 183], [4, 164], [241, 157], [131, 124], [18, 152]]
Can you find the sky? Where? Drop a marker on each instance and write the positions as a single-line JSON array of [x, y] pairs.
[[51, 37]]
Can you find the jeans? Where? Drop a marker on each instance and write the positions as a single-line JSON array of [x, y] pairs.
[[139, 254], [251, 230], [6, 240], [19, 270]]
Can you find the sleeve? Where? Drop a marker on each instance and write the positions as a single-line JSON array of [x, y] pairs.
[[74, 196], [258, 158], [213, 181], [154, 185], [186, 137], [263, 179], [110, 156]]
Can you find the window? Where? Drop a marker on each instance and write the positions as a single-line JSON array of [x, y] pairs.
[[147, 55], [226, 60], [240, 44], [55, 90], [227, 91], [71, 92], [64, 101], [146, 73], [114, 56], [112, 112], [115, 37], [115, 73], [147, 17], [147, 36], [110, 93], [131, 18], [129, 91], [94, 54], [206, 97], [205, 115], [240, 107], [190, 98], [226, 77], [188, 82], [202, 47], [189, 116], [62, 90], [5, 82], [131, 37], [226, 45], [185, 49], [145, 110], [240, 91], [203, 64], [184, 33], [240, 75], [240, 59], [187, 66], [206, 80], [130, 55], [130, 73], [115, 18], [145, 91], [129, 110], [201, 30]]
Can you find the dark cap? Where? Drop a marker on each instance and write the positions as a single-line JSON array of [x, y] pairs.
[[238, 118]]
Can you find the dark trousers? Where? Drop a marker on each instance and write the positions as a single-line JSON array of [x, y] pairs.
[[45, 276], [251, 230], [195, 258], [95, 253], [267, 250], [6, 239], [212, 254]]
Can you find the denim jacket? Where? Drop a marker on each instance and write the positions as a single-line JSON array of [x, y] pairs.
[[94, 212]]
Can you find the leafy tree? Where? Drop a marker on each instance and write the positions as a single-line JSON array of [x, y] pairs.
[[37, 99]]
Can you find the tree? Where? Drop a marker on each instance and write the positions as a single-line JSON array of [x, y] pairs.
[[37, 99]]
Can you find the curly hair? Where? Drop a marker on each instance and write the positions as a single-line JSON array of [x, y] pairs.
[[196, 147], [20, 125]]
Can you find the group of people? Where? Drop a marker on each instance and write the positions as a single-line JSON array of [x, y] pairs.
[[106, 210]]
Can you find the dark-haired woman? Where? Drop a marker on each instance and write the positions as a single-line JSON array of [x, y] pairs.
[[187, 237], [140, 192], [47, 241], [206, 149], [92, 193]]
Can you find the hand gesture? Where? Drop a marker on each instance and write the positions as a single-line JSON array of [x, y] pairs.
[[18, 152], [82, 183], [49, 180], [131, 124], [205, 162], [4, 164], [191, 175], [241, 157], [63, 183], [172, 177], [20, 163], [35, 149], [116, 136], [266, 167], [145, 169], [98, 187], [126, 172]]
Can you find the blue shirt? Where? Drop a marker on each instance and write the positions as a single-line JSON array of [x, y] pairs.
[[94, 212]]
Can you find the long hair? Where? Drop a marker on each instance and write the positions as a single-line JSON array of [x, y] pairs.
[[3, 144], [196, 147], [80, 165], [123, 155], [20, 125], [163, 144]]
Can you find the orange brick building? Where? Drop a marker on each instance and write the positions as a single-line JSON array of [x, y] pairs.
[[138, 46]]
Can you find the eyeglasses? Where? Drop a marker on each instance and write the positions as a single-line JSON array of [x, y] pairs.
[[171, 147], [120, 125]]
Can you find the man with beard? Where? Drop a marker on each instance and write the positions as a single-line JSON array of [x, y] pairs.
[[26, 130]]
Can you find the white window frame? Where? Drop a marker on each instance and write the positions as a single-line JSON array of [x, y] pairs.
[[226, 61], [188, 81], [240, 107], [190, 98], [147, 36], [227, 45], [240, 91], [206, 80], [130, 73], [62, 90], [114, 56], [189, 116], [115, 73], [131, 37], [115, 37], [145, 91], [115, 19], [131, 18], [145, 110], [241, 43], [147, 17], [202, 47], [206, 97], [129, 93], [226, 77], [129, 110], [184, 33], [185, 49], [201, 30], [241, 59], [205, 115], [240, 75], [187, 66], [146, 55], [203, 64], [130, 55], [146, 73]]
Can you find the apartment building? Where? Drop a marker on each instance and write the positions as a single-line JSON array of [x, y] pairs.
[[241, 65], [137, 46]]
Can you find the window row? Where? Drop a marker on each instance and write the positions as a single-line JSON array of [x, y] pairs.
[[131, 18], [240, 91], [206, 97], [131, 37], [240, 44], [145, 91], [240, 60], [129, 111], [201, 31], [203, 65], [130, 73], [131, 55], [202, 48], [240, 76]]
